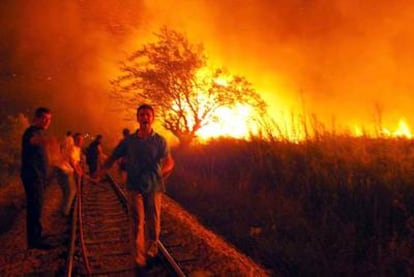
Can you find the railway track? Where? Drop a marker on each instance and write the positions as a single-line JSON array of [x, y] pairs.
[[100, 243], [197, 250]]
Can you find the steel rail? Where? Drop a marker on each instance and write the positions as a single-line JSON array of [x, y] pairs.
[[78, 235], [96, 264], [76, 217], [81, 231], [171, 261], [72, 245]]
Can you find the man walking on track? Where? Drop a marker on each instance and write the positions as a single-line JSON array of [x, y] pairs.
[[149, 162]]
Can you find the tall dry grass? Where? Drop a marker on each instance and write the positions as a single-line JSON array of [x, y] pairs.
[[331, 205]]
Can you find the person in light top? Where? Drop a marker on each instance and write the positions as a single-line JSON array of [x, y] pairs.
[[69, 171]]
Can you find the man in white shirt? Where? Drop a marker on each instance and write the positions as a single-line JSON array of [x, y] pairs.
[[69, 172]]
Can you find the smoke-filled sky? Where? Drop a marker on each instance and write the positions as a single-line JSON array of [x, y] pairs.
[[336, 58]]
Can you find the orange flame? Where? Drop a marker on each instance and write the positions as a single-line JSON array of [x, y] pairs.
[[234, 122], [403, 130]]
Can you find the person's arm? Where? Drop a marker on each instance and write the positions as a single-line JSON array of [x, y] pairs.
[[101, 155], [118, 152], [105, 167], [109, 162], [167, 165]]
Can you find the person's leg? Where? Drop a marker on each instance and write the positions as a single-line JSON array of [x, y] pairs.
[[34, 200], [63, 181], [137, 217], [153, 222], [71, 193], [93, 167]]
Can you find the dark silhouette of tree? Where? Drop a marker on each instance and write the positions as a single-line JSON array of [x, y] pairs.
[[172, 74]]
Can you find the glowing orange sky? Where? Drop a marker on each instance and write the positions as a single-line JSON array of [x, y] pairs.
[[343, 56]]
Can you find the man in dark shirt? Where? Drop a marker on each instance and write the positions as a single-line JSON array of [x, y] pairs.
[[149, 162], [94, 155], [34, 175]]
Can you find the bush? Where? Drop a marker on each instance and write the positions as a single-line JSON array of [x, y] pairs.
[[338, 205], [11, 130]]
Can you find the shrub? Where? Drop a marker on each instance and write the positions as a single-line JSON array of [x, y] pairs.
[[11, 130], [336, 205]]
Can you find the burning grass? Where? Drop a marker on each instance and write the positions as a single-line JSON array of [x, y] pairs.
[[333, 205]]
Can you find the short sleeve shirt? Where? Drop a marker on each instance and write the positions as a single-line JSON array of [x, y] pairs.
[[144, 161], [34, 157]]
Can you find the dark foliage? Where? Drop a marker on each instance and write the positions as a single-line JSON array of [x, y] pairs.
[[340, 205]]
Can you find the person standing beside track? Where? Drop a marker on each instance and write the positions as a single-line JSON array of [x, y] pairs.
[[33, 174], [149, 162], [95, 155], [69, 170]]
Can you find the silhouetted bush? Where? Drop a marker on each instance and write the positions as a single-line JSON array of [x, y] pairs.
[[11, 130]]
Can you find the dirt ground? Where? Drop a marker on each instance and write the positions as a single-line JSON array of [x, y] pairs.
[[15, 258]]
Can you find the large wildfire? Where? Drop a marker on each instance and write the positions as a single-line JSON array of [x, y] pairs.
[[344, 64]]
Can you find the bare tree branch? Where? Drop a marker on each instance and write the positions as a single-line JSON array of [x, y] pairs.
[[166, 73]]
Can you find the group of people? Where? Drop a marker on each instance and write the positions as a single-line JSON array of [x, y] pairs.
[[144, 159]]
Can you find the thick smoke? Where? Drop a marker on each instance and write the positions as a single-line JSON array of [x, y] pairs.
[[343, 59], [62, 54], [346, 60]]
